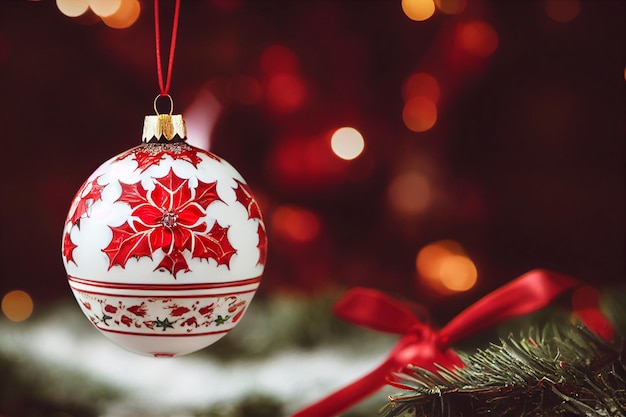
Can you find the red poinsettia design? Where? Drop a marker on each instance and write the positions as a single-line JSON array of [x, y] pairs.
[[170, 217]]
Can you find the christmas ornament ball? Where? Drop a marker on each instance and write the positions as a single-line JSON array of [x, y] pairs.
[[164, 245]]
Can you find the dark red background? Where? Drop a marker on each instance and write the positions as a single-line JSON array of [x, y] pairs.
[[528, 148]]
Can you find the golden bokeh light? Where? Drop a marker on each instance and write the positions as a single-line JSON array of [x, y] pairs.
[[444, 266], [347, 143], [418, 10], [421, 84], [419, 114], [409, 193], [125, 16], [457, 273], [17, 305], [73, 8], [562, 10], [104, 8], [451, 6], [295, 223], [478, 38]]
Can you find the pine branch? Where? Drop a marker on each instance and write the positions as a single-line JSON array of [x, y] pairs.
[[563, 371]]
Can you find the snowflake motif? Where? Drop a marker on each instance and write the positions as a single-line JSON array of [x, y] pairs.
[[170, 217]]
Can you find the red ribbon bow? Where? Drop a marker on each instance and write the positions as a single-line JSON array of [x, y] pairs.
[[424, 346]]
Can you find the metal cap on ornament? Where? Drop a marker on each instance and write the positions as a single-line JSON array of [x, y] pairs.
[[164, 244], [164, 128]]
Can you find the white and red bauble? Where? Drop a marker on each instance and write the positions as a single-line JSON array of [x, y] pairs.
[[164, 245]]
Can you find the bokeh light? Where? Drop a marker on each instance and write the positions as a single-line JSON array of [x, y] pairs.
[[295, 223], [278, 59], [478, 38], [418, 10], [444, 267], [104, 8], [125, 16], [409, 193], [286, 92], [457, 273], [347, 143], [17, 305], [73, 8], [451, 6], [562, 10], [421, 84], [419, 114]]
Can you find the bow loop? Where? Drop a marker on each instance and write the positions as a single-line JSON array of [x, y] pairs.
[[529, 292], [374, 310], [422, 345]]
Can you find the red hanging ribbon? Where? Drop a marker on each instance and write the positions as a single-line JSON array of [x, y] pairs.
[[157, 31], [422, 345]]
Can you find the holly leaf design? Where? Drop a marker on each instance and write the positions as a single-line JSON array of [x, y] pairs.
[[244, 196], [214, 245], [206, 193], [173, 263], [68, 248], [262, 245], [127, 243], [88, 194], [133, 194]]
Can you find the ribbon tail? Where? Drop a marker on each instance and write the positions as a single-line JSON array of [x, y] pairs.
[[348, 396]]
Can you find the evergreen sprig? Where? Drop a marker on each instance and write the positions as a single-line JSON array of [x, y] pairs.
[[563, 370]]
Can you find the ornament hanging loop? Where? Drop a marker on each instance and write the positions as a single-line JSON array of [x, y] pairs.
[[156, 110], [164, 127]]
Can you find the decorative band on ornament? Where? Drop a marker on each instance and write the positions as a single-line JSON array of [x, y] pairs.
[[108, 330], [164, 290], [164, 315]]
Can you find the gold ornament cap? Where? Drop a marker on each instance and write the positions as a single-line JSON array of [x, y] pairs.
[[164, 128]]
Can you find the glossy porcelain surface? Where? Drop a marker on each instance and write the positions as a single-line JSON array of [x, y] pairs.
[[164, 247]]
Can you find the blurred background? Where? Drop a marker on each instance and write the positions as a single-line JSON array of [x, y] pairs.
[[433, 150]]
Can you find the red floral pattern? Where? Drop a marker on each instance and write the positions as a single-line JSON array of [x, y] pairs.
[[162, 314], [88, 194], [244, 196], [68, 248], [262, 245], [153, 153], [170, 217]]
